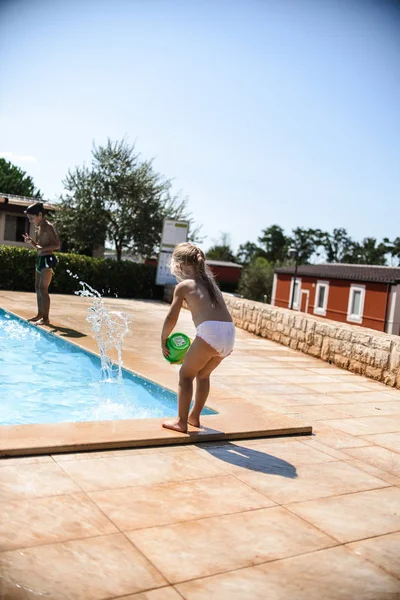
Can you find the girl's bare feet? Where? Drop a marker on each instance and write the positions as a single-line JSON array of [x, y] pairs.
[[34, 319], [194, 421], [176, 425]]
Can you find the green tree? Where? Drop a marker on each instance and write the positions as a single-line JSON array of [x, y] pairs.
[[393, 249], [248, 252], [122, 199], [221, 250], [15, 181], [338, 245], [257, 280], [306, 242], [367, 252], [274, 243]]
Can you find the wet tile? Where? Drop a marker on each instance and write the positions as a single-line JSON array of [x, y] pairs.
[[333, 574], [165, 593], [354, 516], [383, 551], [208, 546], [52, 519], [366, 425], [149, 506], [34, 481], [91, 569], [378, 457], [127, 471], [311, 482], [391, 441]]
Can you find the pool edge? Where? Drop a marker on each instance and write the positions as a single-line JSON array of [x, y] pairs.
[[237, 418]]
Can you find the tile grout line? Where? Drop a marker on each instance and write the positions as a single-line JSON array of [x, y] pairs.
[[347, 545]]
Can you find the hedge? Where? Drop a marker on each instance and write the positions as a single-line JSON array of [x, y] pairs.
[[124, 279]]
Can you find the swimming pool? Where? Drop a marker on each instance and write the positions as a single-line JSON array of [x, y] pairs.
[[45, 379]]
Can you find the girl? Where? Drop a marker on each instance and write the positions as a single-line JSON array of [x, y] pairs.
[[47, 242], [215, 331]]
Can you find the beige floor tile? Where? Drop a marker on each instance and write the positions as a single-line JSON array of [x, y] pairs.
[[370, 409], [375, 471], [354, 516], [34, 481], [316, 413], [300, 399], [331, 388], [381, 395], [139, 507], [269, 388], [165, 593], [116, 453], [91, 569], [304, 378], [383, 551], [312, 442], [149, 469], [337, 439], [312, 482], [325, 370], [378, 457], [366, 425], [334, 574], [24, 460], [53, 519], [391, 441], [208, 546]]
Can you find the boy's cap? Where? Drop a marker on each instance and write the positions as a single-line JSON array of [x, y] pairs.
[[35, 209]]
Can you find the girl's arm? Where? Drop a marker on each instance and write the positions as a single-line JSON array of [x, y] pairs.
[[172, 317], [29, 240]]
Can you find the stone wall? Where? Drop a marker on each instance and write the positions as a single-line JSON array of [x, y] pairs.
[[357, 349]]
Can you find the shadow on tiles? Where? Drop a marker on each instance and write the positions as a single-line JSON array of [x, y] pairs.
[[253, 460]]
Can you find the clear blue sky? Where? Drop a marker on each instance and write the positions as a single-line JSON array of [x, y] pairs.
[[263, 111]]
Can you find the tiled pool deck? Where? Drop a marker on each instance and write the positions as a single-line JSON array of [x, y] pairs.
[[304, 518]]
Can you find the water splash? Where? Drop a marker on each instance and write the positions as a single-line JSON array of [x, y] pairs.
[[110, 329]]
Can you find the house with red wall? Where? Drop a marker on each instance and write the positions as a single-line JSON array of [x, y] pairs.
[[363, 295]]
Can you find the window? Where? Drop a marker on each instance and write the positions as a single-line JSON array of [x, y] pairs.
[[14, 228], [321, 298], [355, 308], [296, 294]]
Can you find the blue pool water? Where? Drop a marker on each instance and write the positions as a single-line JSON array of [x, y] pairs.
[[45, 379]]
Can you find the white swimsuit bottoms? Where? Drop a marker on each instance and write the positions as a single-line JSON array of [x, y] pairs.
[[220, 335]]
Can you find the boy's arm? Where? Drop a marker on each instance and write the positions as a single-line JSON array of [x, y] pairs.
[[172, 317]]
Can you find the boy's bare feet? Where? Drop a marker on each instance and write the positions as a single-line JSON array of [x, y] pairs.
[[34, 319], [176, 425]]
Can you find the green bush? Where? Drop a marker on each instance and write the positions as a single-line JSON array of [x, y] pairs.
[[111, 278]]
